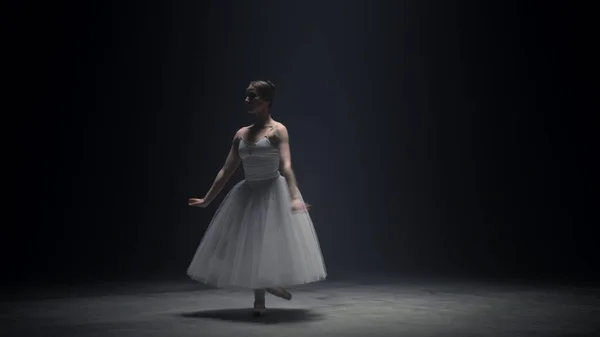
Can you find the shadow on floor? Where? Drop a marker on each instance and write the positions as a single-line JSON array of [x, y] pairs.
[[272, 316]]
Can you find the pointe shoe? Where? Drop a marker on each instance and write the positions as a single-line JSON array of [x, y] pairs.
[[259, 309], [279, 292]]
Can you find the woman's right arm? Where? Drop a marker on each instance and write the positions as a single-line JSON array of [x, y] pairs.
[[231, 164]]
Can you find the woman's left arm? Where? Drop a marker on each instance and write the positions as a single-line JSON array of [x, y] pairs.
[[286, 161]]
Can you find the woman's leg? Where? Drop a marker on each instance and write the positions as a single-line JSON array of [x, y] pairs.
[[259, 296], [280, 292], [259, 301]]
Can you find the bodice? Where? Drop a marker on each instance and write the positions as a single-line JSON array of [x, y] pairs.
[[260, 160]]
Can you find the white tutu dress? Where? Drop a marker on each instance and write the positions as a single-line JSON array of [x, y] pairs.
[[254, 239]]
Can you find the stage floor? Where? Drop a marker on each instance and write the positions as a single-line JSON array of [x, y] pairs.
[[361, 307]]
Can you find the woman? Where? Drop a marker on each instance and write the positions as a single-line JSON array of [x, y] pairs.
[[261, 236]]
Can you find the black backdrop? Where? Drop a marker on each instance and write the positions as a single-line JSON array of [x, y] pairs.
[[446, 137]]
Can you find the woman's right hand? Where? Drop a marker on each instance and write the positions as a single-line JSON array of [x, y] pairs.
[[195, 202]]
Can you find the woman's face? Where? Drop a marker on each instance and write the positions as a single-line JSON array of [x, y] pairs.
[[254, 103]]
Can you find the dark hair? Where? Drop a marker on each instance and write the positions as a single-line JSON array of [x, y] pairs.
[[265, 90]]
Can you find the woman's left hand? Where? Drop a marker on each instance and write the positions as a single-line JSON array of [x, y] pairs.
[[299, 205]]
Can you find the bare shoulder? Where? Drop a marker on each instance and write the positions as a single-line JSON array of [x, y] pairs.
[[240, 133], [238, 136], [281, 130]]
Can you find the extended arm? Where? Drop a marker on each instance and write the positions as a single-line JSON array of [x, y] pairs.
[[231, 164], [286, 161]]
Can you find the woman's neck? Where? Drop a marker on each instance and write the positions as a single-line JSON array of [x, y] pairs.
[[262, 119]]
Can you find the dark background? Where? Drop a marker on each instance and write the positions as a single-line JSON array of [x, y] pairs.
[[431, 137]]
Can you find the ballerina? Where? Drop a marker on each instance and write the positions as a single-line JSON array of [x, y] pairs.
[[261, 236]]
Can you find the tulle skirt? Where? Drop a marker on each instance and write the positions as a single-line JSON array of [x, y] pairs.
[[255, 241]]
